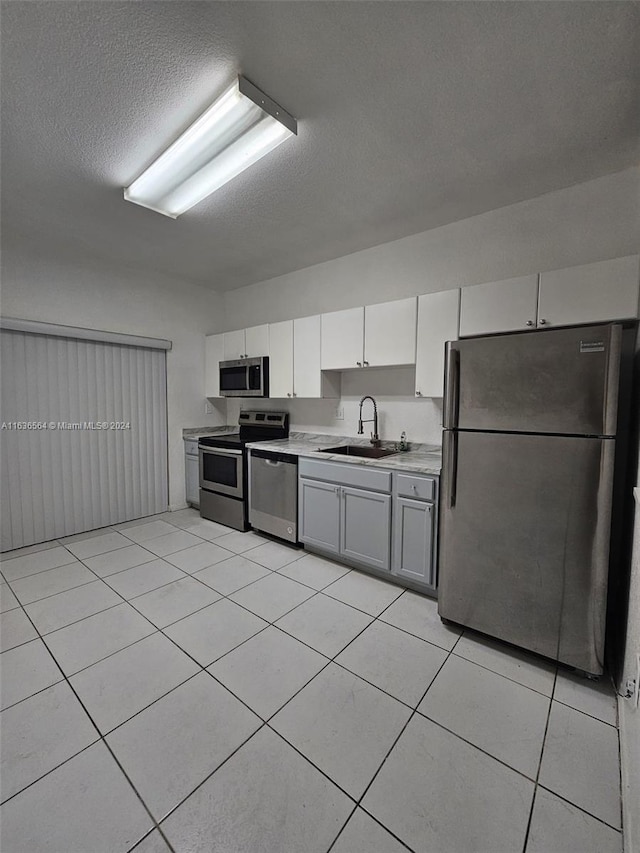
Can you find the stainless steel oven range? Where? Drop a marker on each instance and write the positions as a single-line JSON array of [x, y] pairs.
[[223, 466]]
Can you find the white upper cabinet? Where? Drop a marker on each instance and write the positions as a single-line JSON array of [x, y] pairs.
[[294, 361], [342, 339], [233, 345], [499, 306], [213, 355], [591, 293], [606, 290], [390, 333], [256, 341], [281, 359], [438, 318], [375, 336], [246, 343], [307, 376]]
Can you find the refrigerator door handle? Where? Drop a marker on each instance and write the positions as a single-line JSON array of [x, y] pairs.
[[450, 440], [452, 391]]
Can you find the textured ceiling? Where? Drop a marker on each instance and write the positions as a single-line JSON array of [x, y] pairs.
[[410, 115]]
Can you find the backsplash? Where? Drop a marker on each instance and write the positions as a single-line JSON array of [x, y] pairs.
[[398, 408]]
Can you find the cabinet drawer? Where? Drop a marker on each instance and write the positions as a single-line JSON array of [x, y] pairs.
[[419, 488], [347, 475]]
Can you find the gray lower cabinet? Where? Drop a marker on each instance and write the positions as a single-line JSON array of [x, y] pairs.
[[319, 514], [413, 541], [345, 510], [370, 517], [415, 519], [365, 530], [192, 472]]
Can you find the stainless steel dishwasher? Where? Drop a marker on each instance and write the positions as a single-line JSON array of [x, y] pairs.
[[273, 493]]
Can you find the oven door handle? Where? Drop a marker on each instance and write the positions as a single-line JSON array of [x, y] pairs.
[[218, 451]]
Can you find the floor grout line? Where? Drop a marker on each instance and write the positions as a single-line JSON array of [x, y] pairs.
[[586, 714], [536, 780], [100, 738], [579, 808], [266, 722], [53, 594]]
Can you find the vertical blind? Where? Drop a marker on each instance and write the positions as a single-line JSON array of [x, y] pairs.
[[84, 435]]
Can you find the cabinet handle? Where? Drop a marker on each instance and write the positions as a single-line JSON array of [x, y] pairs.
[[365, 364], [359, 363], [529, 322], [337, 490], [288, 394], [294, 394], [543, 322], [418, 393]]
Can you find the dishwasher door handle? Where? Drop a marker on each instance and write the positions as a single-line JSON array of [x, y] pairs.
[[274, 462]]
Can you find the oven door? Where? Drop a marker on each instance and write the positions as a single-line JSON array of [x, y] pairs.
[[221, 470]]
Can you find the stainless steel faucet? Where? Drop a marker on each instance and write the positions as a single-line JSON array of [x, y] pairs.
[[375, 438]]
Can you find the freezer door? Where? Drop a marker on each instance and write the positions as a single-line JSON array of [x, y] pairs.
[[524, 541], [555, 381]]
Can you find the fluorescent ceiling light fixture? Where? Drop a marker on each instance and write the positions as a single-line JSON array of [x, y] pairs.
[[238, 129]]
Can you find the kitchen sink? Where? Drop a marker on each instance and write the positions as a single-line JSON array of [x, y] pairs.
[[359, 450]]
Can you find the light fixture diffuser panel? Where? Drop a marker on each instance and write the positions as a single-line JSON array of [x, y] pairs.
[[238, 129]]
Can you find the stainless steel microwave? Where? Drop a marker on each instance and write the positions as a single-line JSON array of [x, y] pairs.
[[245, 377]]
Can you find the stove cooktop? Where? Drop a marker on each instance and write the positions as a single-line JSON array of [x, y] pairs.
[[230, 440], [254, 426]]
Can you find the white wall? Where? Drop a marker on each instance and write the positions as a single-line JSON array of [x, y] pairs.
[[591, 221], [398, 409], [134, 303]]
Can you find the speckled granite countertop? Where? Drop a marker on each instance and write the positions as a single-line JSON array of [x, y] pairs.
[[196, 432], [422, 458]]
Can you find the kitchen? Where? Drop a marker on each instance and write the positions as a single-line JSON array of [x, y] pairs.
[[102, 264]]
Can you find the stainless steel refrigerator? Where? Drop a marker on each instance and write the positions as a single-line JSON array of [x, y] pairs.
[[529, 450]]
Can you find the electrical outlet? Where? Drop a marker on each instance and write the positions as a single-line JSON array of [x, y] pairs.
[[339, 413], [208, 408]]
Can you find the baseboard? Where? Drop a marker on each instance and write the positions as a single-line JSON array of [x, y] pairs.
[[176, 507], [629, 720]]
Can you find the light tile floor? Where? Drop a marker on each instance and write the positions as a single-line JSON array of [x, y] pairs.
[[170, 684]]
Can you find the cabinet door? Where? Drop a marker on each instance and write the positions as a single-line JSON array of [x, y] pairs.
[[234, 345], [307, 378], [438, 319], [390, 333], [365, 530], [607, 290], [256, 341], [213, 355], [342, 339], [413, 541], [281, 359], [319, 514], [192, 479], [499, 306]]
